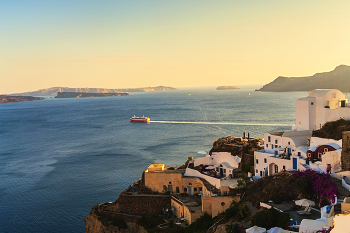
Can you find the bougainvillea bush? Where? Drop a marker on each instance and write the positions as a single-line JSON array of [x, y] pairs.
[[324, 190]]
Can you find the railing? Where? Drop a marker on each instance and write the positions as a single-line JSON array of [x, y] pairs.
[[345, 184]]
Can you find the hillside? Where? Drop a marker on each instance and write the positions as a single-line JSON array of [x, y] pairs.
[[12, 99], [336, 79], [226, 88], [333, 129], [53, 90]]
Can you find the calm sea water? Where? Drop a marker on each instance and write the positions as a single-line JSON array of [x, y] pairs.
[[60, 157]]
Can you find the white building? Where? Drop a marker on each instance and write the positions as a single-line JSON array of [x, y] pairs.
[[223, 162], [321, 106], [288, 150]]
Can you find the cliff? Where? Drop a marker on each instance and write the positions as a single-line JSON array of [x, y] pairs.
[[54, 90], [12, 99], [86, 94], [335, 79], [123, 214], [226, 88]]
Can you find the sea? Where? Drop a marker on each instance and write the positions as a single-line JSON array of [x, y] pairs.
[[60, 157]]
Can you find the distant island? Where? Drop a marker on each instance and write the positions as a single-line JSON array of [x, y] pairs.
[[335, 79], [12, 99], [226, 88], [54, 90], [86, 94]]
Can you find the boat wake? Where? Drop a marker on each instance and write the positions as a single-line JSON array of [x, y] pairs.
[[219, 123]]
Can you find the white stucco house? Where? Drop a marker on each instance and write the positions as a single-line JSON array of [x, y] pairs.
[[222, 162], [290, 150]]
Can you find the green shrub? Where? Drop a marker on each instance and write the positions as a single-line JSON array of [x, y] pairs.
[[202, 224], [150, 221], [243, 212], [235, 228], [269, 218]]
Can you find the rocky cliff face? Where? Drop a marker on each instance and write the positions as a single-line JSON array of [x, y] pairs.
[[97, 222], [335, 79], [53, 90], [86, 94]]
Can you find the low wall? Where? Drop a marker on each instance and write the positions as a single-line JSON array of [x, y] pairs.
[[142, 204], [345, 184], [213, 181]]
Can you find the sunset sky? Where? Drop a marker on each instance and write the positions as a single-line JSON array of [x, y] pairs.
[[182, 43]]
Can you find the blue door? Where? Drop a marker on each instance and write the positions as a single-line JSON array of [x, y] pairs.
[[295, 164], [276, 169], [307, 162]]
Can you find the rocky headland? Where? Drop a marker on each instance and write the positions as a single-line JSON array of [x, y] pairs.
[[138, 202], [86, 94], [227, 88], [335, 79], [12, 99], [54, 90]]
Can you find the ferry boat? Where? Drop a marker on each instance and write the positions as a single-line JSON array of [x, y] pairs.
[[140, 119]]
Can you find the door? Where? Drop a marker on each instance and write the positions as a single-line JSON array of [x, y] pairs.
[[343, 103], [276, 169], [289, 152], [221, 172], [295, 163], [170, 188], [190, 190]]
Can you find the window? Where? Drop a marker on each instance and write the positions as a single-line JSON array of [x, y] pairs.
[[309, 155], [265, 160], [312, 103], [267, 145], [195, 189], [299, 153], [288, 143], [165, 187], [319, 155], [225, 171], [185, 190], [276, 141], [276, 146], [256, 171], [284, 167], [200, 189], [269, 139], [325, 149], [177, 189], [169, 182], [256, 161], [261, 173], [217, 169]]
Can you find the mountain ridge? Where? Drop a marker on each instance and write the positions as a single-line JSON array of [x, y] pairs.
[[339, 78], [52, 91]]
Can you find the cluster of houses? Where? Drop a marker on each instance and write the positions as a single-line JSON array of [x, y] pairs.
[[297, 149], [211, 178]]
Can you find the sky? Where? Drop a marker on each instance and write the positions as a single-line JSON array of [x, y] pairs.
[[182, 43]]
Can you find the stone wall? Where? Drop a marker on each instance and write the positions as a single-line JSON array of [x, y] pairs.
[[345, 156], [142, 204]]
